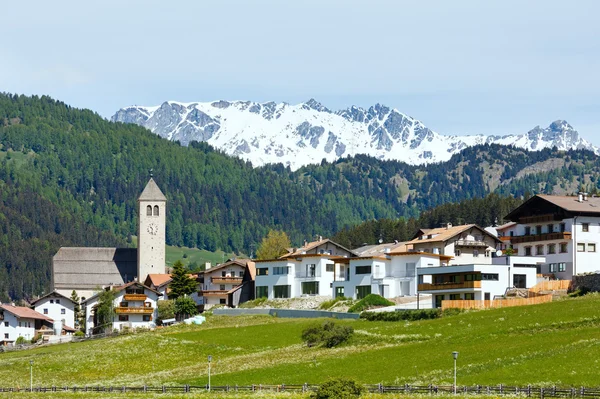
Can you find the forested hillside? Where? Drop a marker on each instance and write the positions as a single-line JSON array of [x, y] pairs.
[[69, 177]]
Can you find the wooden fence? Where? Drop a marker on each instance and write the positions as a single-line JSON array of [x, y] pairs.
[[551, 285], [496, 303], [498, 390]]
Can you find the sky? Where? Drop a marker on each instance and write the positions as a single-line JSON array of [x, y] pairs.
[[461, 67]]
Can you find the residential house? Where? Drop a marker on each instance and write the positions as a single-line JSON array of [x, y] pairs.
[[308, 270], [134, 305], [564, 229], [467, 244], [160, 283], [59, 308], [20, 321], [477, 281], [229, 283]]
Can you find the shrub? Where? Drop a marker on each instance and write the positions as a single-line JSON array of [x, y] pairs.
[[338, 388], [79, 334], [411, 315], [579, 292], [452, 312], [332, 302], [20, 341], [166, 310], [327, 334], [185, 306], [369, 302], [36, 338]]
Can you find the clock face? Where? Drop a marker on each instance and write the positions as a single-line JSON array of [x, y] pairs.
[[153, 229]]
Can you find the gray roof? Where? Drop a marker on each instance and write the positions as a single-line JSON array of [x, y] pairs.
[[88, 268], [152, 192]]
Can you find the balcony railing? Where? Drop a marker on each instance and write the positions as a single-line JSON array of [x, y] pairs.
[[134, 310], [342, 277], [566, 235], [212, 293], [471, 243], [226, 280], [449, 286], [308, 275], [135, 297]]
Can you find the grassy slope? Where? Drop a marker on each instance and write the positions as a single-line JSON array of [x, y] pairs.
[[555, 343]]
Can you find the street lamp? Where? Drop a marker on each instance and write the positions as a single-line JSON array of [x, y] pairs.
[[455, 356], [209, 360], [31, 376]]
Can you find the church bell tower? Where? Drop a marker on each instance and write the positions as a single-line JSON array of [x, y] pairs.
[[152, 207]]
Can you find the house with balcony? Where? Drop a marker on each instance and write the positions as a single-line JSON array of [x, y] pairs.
[[134, 306], [477, 281], [308, 270], [59, 308], [229, 283], [467, 244], [20, 321], [563, 229]]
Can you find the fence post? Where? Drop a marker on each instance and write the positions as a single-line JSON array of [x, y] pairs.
[[582, 391], [379, 388], [145, 388], [163, 389], [542, 393], [252, 387]]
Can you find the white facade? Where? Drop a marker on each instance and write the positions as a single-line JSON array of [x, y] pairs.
[[13, 327], [134, 305], [217, 282], [295, 277], [477, 282], [58, 308]]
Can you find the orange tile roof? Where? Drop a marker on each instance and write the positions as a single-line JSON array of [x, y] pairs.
[[158, 279], [25, 313]]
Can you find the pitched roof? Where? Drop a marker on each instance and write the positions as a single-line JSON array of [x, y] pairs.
[[121, 288], [380, 249], [569, 204], [312, 245], [25, 313], [157, 280], [152, 192], [53, 294], [441, 234]]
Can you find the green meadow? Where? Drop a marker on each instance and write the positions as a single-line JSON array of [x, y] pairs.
[[550, 344]]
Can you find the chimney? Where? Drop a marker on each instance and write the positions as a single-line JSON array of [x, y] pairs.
[[448, 226], [395, 241], [387, 250], [305, 243], [585, 196], [580, 197], [207, 265], [320, 238]]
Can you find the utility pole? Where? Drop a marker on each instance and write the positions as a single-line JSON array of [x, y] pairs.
[[209, 360], [455, 355], [31, 376]]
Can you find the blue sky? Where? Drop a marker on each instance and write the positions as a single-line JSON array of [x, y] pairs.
[[461, 67]]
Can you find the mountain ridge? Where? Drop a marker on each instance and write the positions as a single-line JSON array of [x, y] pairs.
[[306, 133]]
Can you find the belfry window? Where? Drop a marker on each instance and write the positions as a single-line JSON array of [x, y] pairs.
[[155, 210], [149, 210]]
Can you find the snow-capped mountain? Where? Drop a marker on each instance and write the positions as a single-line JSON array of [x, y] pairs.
[[306, 133]]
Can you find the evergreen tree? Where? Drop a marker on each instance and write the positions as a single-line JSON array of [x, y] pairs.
[[181, 284], [105, 311], [76, 310]]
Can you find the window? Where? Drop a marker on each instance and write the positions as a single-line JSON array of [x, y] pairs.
[[538, 229], [563, 227], [363, 269], [310, 288], [222, 301], [222, 287], [527, 251], [438, 279], [585, 227], [123, 317], [147, 304], [62, 311], [5, 336], [552, 268], [551, 249], [454, 297], [489, 276], [223, 273], [469, 296], [438, 301], [456, 253], [155, 210], [527, 230], [329, 268], [455, 279], [147, 317], [242, 273], [591, 247], [45, 311], [475, 253], [311, 270], [281, 270], [580, 247], [6, 324], [124, 304], [539, 249], [51, 300], [562, 267], [520, 280], [148, 210], [486, 296], [362, 291], [563, 247], [281, 291], [262, 271], [262, 292], [58, 301], [339, 292], [550, 228]]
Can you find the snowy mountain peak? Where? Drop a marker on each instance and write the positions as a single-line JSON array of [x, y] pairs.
[[297, 135]]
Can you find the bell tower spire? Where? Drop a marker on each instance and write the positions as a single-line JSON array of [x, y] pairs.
[[152, 206]]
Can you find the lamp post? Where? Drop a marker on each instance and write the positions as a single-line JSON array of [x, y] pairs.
[[455, 356], [209, 360], [31, 376]]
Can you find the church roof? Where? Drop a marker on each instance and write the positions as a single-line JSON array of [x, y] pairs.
[[152, 192]]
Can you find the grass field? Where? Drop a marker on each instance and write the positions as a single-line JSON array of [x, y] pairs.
[[555, 343]]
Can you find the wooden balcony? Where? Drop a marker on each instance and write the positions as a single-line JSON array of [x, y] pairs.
[[213, 293], [134, 310], [566, 235], [227, 280], [471, 243], [505, 238], [135, 297], [449, 286]]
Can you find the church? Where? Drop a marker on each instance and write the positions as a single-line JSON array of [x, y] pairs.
[[87, 269]]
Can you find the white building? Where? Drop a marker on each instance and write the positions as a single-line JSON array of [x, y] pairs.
[[19, 321], [134, 306], [477, 281], [565, 230], [229, 283], [59, 308]]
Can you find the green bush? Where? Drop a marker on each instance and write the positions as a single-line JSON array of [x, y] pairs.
[[332, 302], [20, 341], [369, 302], [327, 334], [338, 388], [79, 334], [411, 315], [452, 312], [579, 292]]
